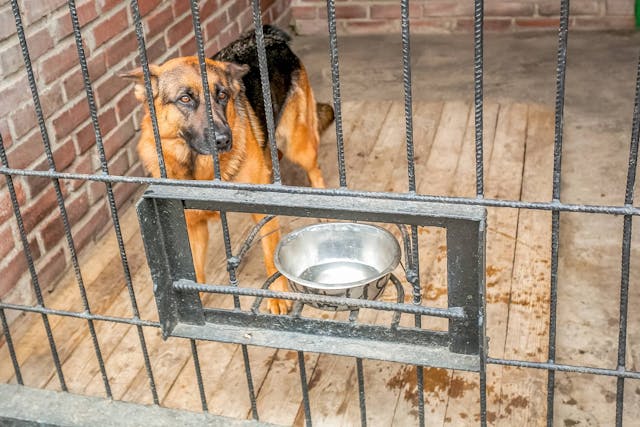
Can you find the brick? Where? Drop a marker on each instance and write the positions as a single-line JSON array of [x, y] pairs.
[[33, 11], [435, 25], [311, 26], [118, 138], [109, 88], [13, 269], [70, 119], [51, 100], [26, 151], [577, 7], [447, 8], [7, 242], [122, 192], [82, 165], [126, 105], [245, 19], [110, 28], [180, 8], [392, 11], [5, 135], [371, 26], [59, 62], [74, 83], [39, 208], [537, 23], [10, 59], [63, 155], [155, 50], [208, 8], [23, 120], [39, 43], [18, 92], [188, 48], [215, 25], [35, 184], [158, 21], [620, 7], [126, 46], [107, 120], [494, 25], [507, 8], [6, 207], [7, 23], [179, 30], [96, 219], [119, 164], [62, 26], [53, 230], [347, 12], [107, 5], [50, 271], [236, 7], [147, 6], [603, 23], [85, 138]]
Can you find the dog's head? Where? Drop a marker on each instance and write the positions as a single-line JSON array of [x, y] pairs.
[[179, 100]]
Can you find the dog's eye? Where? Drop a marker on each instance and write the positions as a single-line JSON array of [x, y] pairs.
[[222, 96], [185, 99]]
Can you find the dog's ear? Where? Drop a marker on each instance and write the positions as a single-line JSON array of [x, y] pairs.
[[138, 76], [237, 71]]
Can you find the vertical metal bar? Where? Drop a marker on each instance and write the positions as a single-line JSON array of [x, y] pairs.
[[335, 78], [144, 62], [110, 197], [32, 269], [420, 382], [195, 15], [478, 73], [305, 389], [252, 391], [626, 251], [196, 364], [59, 198], [266, 90], [563, 33], [12, 351], [406, 79], [361, 393]]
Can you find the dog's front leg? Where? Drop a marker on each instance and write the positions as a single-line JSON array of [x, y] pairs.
[[198, 240], [270, 236]]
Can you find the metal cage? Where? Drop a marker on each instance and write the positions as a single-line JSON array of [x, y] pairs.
[[161, 212]]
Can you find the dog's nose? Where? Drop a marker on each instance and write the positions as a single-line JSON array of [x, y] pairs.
[[222, 141]]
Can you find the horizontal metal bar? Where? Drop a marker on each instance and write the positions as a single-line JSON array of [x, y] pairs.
[[24, 406], [79, 315], [319, 205], [450, 313], [565, 368], [380, 342], [498, 203]]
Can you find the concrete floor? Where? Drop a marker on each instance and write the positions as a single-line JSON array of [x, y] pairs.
[[597, 132]]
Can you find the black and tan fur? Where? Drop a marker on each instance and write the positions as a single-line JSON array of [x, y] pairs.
[[239, 126]]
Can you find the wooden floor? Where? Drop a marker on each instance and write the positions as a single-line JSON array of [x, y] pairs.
[[518, 163]]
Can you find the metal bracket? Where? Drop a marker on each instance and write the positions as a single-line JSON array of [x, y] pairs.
[[162, 222]]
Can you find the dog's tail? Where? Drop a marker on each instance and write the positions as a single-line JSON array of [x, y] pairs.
[[325, 116]]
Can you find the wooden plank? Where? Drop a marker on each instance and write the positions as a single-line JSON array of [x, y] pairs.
[[523, 392], [438, 177], [69, 332], [460, 389]]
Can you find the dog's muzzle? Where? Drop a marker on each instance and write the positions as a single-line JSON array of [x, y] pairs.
[[222, 139]]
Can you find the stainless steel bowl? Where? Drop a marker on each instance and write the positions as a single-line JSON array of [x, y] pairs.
[[338, 259]]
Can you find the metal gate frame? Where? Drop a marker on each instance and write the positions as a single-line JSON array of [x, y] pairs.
[[215, 192]]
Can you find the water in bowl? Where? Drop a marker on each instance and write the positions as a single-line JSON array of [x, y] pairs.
[[338, 273]]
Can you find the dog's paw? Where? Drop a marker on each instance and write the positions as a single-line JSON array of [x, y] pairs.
[[279, 306]]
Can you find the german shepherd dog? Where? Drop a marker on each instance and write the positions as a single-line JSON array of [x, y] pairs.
[[239, 126]]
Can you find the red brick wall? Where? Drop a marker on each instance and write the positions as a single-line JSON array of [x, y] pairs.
[[111, 47], [443, 16]]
